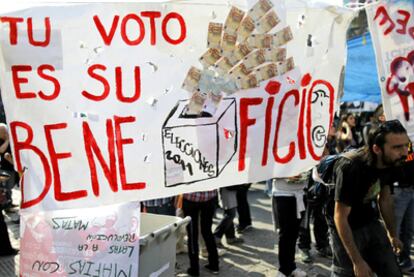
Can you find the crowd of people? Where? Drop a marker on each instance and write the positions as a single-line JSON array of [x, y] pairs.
[[365, 226]]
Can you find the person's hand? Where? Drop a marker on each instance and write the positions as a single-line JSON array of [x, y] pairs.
[[362, 269], [397, 245]]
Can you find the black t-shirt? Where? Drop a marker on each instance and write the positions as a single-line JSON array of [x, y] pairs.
[[358, 184]]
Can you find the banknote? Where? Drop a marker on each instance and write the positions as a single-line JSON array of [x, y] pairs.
[[223, 65], [260, 9], [241, 51], [254, 59], [232, 58], [270, 40], [261, 40], [245, 29], [267, 22], [266, 72], [275, 54], [210, 57], [285, 66], [239, 70], [228, 43], [192, 79], [233, 20], [249, 81], [214, 35], [196, 104], [212, 102], [282, 37], [215, 98]]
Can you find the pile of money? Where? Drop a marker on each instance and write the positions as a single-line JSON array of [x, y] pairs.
[[241, 54]]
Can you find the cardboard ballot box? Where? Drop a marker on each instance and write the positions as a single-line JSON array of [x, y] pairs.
[[158, 237], [198, 147]]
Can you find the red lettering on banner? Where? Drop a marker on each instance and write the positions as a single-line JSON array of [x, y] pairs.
[[245, 122], [152, 16], [106, 37], [128, 29], [120, 142], [118, 84], [303, 101], [400, 25], [309, 114], [272, 88], [124, 25], [93, 72], [50, 161], [91, 147], [289, 156], [300, 132], [13, 33], [17, 81], [306, 79], [41, 72], [268, 128], [137, 78], [403, 22], [183, 28], [386, 18], [46, 40], [102, 79], [12, 27], [54, 159], [26, 144]]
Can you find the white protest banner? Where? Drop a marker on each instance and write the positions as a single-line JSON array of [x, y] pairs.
[[391, 25], [100, 241], [111, 102]]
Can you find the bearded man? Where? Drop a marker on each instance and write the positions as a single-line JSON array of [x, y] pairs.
[[362, 244]]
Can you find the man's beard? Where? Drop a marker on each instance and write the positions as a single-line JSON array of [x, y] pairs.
[[390, 163]]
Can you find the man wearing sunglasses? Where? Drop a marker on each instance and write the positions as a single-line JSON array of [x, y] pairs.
[[361, 244]]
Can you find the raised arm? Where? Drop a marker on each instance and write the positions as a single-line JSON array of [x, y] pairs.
[[386, 204]]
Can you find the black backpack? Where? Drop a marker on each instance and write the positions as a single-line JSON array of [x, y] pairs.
[[320, 190]]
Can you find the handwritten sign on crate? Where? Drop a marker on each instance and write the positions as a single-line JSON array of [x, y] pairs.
[[100, 241]]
